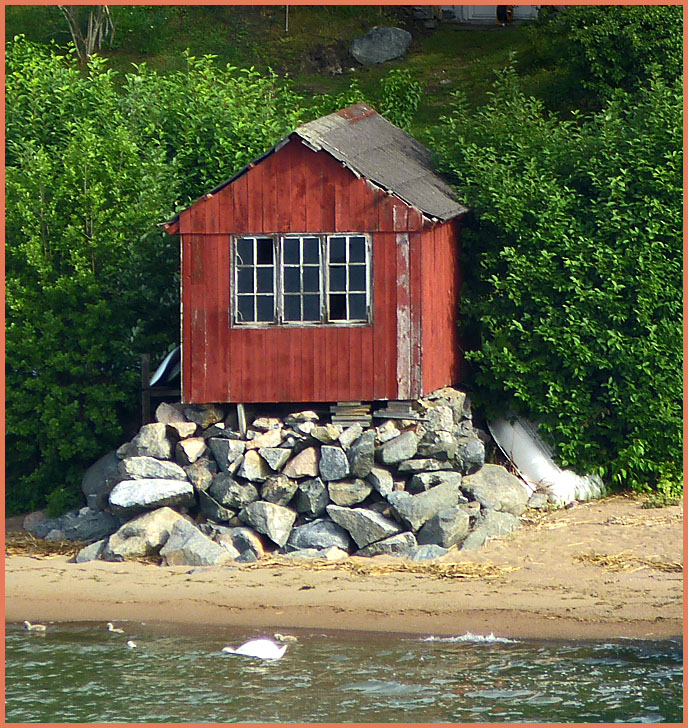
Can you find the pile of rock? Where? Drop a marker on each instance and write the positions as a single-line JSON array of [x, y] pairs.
[[194, 489]]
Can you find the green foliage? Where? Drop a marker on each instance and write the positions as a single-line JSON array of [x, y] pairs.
[[400, 97], [574, 272], [93, 164]]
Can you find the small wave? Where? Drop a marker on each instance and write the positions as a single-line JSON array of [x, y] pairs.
[[470, 637]]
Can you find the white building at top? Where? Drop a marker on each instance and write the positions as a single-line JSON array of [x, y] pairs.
[[486, 13]]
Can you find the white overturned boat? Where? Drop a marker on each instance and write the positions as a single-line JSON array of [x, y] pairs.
[[519, 440]]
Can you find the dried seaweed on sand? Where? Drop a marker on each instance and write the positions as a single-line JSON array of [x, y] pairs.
[[628, 562]]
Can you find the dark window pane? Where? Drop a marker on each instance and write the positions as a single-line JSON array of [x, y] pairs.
[[291, 251], [264, 280], [265, 308], [357, 306], [265, 251], [244, 251], [311, 279], [311, 250], [311, 308], [245, 280], [292, 308], [337, 278], [338, 307], [337, 250], [292, 282], [245, 310], [357, 278], [357, 249]]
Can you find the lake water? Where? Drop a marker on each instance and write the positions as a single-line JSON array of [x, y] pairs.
[[78, 673]]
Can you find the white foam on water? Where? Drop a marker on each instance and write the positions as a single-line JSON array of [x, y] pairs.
[[469, 637]]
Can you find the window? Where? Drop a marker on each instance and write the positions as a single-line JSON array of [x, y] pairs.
[[301, 279]]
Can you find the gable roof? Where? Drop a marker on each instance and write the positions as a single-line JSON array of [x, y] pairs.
[[373, 148]]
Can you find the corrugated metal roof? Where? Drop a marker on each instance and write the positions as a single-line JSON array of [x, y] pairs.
[[374, 148]]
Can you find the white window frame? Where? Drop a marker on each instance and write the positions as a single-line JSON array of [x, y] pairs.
[[278, 278]]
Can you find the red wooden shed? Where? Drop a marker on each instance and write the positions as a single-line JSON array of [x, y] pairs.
[[324, 271]]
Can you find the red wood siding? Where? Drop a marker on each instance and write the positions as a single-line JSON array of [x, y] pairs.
[[296, 190]]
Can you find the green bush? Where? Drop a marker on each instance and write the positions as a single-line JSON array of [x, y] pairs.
[[573, 264]]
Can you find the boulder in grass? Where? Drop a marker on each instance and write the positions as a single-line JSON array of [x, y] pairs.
[[363, 525], [142, 536], [414, 510], [319, 534], [496, 489], [400, 544], [144, 466], [271, 520], [133, 496], [382, 43], [187, 546]]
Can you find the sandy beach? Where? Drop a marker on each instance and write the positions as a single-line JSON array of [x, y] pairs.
[[599, 570]]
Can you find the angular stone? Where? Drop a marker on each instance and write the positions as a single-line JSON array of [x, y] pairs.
[[349, 492], [187, 546], [320, 534], [142, 536], [349, 435], [275, 457], [204, 415], [263, 424], [90, 552], [439, 418], [253, 467], [244, 539], [440, 445], [305, 428], [386, 431], [153, 440], [230, 493], [220, 429], [182, 430], [414, 510], [400, 448], [95, 483], [210, 508], [422, 465], [364, 526], [227, 545], [472, 508], [380, 44], [331, 554], [169, 413], [495, 488], [398, 545], [426, 480], [303, 465], [143, 466], [381, 480], [426, 552], [312, 497], [446, 528], [226, 451], [134, 496], [538, 501], [271, 438], [326, 434], [361, 454], [87, 524], [333, 463], [278, 489], [490, 523], [189, 450], [297, 417], [470, 454], [272, 520], [201, 473]]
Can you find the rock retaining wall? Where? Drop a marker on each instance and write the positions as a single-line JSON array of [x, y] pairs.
[[193, 489]]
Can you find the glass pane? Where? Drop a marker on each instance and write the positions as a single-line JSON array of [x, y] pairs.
[[337, 307], [245, 310], [337, 278], [357, 306], [311, 250], [311, 279], [292, 282], [311, 308], [264, 280], [292, 308], [337, 250], [264, 251], [265, 308], [357, 278], [291, 251], [245, 280], [244, 248], [357, 249]]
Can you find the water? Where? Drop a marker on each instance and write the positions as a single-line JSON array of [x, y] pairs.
[[81, 673]]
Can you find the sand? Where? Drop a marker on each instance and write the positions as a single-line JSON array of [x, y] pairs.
[[599, 570]]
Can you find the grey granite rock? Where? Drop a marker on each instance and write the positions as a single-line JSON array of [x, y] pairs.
[[495, 488], [143, 466], [349, 435], [95, 483], [271, 520], [426, 552], [382, 480], [311, 497], [361, 454], [133, 496], [422, 465], [414, 510], [470, 454], [90, 552], [254, 468], [398, 545], [400, 448], [349, 492], [303, 465], [446, 528], [380, 44], [201, 473], [142, 536], [189, 450], [204, 415], [278, 489], [226, 451], [275, 457], [230, 493], [424, 481], [364, 526], [333, 463], [320, 534], [153, 440], [187, 546], [210, 508]]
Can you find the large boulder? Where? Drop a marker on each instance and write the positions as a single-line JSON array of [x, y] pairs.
[[446, 528], [497, 489], [89, 525], [204, 415], [144, 466], [213, 510], [133, 496], [97, 481], [382, 480], [275, 457], [364, 526], [190, 449], [142, 536], [319, 534], [187, 546], [380, 44], [414, 510], [271, 520], [470, 454], [201, 473], [426, 480]]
